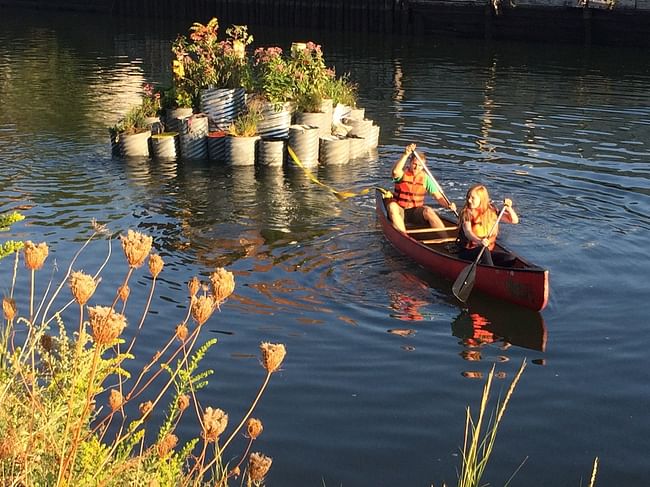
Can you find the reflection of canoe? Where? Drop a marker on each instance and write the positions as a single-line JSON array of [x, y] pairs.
[[488, 321], [524, 284]]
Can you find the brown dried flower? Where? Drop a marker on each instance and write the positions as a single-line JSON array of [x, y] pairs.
[[223, 284], [115, 400], [123, 292], [202, 308], [9, 308], [258, 466], [272, 356], [136, 247], [194, 285], [155, 264], [182, 332], [107, 325], [82, 286], [234, 472], [35, 255], [183, 402], [145, 409], [167, 444], [214, 423], [46, 342], [254, 428]]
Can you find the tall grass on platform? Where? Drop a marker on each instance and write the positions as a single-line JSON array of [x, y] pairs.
[[74, 411]]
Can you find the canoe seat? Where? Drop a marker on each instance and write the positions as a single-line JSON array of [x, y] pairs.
[[428, 230], [438, 240]]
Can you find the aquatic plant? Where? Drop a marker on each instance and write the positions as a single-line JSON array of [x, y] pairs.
[[73, 411]]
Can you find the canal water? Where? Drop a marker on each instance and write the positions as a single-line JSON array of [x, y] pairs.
[[382, 361]]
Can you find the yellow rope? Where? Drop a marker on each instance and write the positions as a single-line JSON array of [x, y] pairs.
[[341, 195]]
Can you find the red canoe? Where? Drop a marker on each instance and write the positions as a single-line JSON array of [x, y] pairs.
[[524, 284]]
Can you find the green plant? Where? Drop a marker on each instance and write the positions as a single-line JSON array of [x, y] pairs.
[[72, 410], [272, 76], [151, 101], [10, 246], [245, 124], [342, 90], [310, 76], [133, 122]]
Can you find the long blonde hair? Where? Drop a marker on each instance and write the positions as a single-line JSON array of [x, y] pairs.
[[485, 214]]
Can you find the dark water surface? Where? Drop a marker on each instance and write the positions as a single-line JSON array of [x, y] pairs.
[[563, 131]]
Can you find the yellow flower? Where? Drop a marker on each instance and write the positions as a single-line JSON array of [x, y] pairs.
[[177, 69]]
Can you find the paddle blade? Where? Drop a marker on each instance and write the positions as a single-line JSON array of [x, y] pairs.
[[464, 282]]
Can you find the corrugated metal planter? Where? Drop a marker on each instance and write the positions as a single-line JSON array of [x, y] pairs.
[[222, 105], [134, 145], [357, 114], [321, 120], [303, 139], [155, 125], [270, 152], [173, 117], [240, 151], [194, 131], [358, 146], [217, 146], [164, 145], [334, 150], [275, 122]]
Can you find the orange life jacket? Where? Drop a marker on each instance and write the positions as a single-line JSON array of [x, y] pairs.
[[410, 190], [481, 227]]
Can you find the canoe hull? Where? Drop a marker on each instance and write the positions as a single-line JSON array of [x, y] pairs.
[[527, 285]]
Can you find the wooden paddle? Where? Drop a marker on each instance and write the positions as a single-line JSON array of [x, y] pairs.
[[426, 169], [465, 281]]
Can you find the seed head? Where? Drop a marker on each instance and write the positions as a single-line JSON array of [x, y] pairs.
[[272, 356], [214, 423], [9, 308], [123, 292], [202, 308], [223, 284], [254, 428], [155, 264], [194, 285], [107, 325], [136, 247], [182, 332], [258, 466], [46, 342], [82, 286], [35, 255], [115, 400], [145, 410], [183, 402], [167, 444]]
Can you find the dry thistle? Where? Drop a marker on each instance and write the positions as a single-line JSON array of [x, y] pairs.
[[202, 308], [223, 284], [183, 402], [115, 400], [272, 356], [46, 342], [167, 444], [82, 286], [258, 467], [107, 325], [136, 247], [123, 292], [155, 264], [145, 410], [35, 255], [194, 285], [254, 428], [182, 332], [9, 308], [214, 423]]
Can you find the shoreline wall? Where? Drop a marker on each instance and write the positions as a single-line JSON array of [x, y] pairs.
[[603, 22]]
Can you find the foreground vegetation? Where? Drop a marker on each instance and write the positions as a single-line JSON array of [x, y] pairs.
[[72, 412]]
